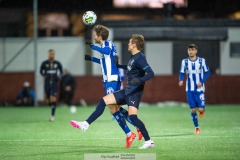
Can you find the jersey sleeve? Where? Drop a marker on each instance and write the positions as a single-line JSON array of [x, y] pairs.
[[95, 60], [42, 69], [204, 65], [142, 63], [60, 69], [206, 71], [182, 69], [106, 50]]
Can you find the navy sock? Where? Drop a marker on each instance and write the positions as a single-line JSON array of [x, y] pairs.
[[53, 108], [195, 119], [137, 122], [124, 113], [121, 121], [98, 111]]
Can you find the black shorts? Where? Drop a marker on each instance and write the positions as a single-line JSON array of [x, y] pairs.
[[51, 90], [132, 99]]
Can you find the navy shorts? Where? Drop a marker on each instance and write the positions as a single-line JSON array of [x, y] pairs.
[[132, 99], [51, 90], [196, 99], [111, 87]]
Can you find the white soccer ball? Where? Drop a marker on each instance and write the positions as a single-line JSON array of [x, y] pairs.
[[73, 109], [89, 18]]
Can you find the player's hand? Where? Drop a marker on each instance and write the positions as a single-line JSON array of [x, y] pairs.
[[87, 57], [89, 43], [135, 81], [180, 83], [199, 84]]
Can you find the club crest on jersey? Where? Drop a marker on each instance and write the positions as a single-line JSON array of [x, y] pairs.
[[129, 67], [201, 96], [198, 66], [110, 90]]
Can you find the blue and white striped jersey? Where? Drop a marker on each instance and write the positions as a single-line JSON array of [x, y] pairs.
[[108, 55], [196, 71]]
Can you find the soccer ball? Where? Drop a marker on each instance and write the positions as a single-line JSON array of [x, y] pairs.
[[89, 18], [73, 109]]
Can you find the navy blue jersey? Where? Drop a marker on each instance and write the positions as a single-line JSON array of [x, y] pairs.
[[51, 71], [138, 68]]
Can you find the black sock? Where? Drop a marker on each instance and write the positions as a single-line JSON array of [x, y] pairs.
[[98, 111], [53, 108], [137, 122]]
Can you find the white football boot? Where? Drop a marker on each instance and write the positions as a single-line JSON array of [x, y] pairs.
[[81, 125], [147, 144]]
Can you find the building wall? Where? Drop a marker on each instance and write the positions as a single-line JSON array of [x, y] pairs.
[[229, 65], [70, 51], [158, 89]]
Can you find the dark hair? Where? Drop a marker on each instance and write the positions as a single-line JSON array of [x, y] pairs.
[[51, 50], [193, 46], [138, 39], [101, 31]]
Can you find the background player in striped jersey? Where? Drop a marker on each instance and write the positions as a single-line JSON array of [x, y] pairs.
[[51, 70], [197, 73], [110, 76], [138, 71]]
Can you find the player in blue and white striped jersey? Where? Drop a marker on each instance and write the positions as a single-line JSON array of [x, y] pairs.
[[110, 75], [197, 73]]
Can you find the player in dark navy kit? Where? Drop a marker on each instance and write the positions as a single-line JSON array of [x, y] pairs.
[[138, 71], [51, 70]]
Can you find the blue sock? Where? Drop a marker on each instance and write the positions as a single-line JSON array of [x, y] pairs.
[[195, 119], [137, 122], [124, 113], [121, 121], [98, 111]]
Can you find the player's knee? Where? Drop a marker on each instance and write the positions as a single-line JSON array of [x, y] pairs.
[[53, 99], [133, 118], [112, 108], [193, 110], [201, 109]]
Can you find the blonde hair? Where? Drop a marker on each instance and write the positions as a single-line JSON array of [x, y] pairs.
[[138, 39]]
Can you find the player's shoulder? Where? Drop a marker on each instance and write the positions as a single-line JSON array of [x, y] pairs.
[[45, 61], [185, 60], [201, 59], [108, 43], [56, 61], [140, 55]]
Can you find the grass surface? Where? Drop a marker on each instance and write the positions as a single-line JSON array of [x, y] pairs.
[[26, 134]]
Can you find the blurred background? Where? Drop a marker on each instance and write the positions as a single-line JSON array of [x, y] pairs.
[[29, 28]]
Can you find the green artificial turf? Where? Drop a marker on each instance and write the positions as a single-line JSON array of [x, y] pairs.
[[26, 134]]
